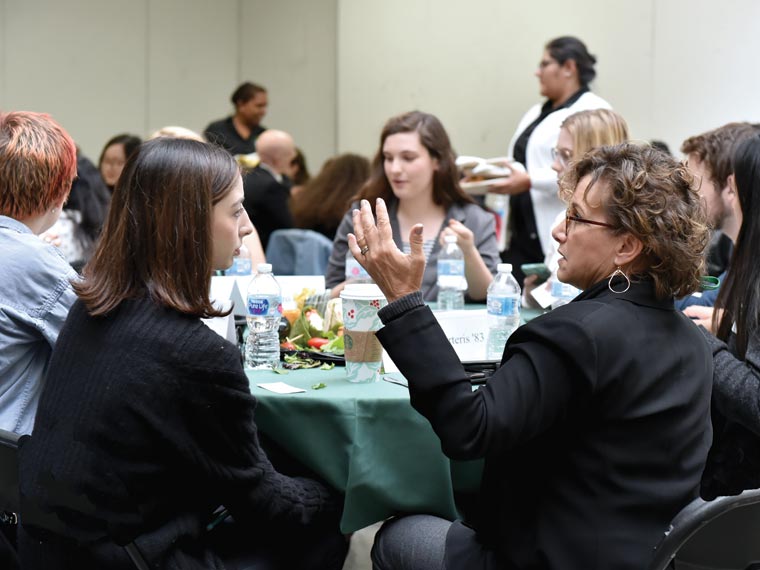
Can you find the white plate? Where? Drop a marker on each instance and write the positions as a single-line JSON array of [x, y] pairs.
[[480, 187]]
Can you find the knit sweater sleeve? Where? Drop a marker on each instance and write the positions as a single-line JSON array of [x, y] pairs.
[[736, 383], [217, 436]]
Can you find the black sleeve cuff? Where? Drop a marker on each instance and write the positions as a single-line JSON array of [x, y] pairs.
[[400, 306]]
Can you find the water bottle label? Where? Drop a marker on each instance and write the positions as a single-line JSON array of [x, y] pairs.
[[451, 267], [503, 306], [264, 307], [240, 266]]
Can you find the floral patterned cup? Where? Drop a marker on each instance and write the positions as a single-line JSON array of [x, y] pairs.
[[361, 302]]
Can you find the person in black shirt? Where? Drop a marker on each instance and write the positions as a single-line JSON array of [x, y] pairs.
[[238, 133]]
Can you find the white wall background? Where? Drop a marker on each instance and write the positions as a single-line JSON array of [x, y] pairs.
[[337, 69]]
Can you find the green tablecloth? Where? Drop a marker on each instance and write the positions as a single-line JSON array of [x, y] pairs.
[[365, 440]]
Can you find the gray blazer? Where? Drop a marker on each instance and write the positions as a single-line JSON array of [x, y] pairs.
[[481, 223]]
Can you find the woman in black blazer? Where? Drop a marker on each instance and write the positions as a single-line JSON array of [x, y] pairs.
[[596, 427]]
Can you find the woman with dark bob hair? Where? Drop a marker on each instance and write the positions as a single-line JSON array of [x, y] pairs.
[[734, 462], [414, 173], [593, 435], [146, 424]]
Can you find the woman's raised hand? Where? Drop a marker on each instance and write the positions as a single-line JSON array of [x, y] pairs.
[[396, 273]]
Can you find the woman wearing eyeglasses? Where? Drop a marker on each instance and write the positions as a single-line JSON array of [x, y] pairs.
[[593, 435], [564, 73]]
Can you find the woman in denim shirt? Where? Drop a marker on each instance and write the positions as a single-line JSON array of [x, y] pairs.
[[37, 166]]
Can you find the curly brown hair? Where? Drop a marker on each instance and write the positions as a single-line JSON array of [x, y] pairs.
[[651, 196]]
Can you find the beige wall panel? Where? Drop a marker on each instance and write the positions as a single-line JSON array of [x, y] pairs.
[[706, 71], [289, 46], [3, 52], [82, 61], [472, 64], [193, 61]]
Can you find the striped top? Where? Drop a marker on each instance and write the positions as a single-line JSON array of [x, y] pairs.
[[427, 247]]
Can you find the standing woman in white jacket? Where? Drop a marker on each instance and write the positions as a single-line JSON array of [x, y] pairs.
[[564, 74]]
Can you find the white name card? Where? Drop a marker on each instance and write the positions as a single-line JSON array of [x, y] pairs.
[[223, 326], [466, 330]]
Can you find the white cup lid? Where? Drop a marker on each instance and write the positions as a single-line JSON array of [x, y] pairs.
[[361, 291]]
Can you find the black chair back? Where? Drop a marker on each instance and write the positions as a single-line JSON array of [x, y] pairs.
[[9, 498], [9, 491], [723, 534], [9, 494]]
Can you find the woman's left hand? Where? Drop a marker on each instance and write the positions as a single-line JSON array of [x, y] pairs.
[[465, 237], [396, 273]]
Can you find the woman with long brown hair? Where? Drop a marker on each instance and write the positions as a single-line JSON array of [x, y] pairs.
[[414, 172]]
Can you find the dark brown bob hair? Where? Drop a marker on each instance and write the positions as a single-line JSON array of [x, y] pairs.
[[157, 238], [651, 196], [446, 189]]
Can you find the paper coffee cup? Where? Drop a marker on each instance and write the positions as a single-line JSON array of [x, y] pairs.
[[364, 354]]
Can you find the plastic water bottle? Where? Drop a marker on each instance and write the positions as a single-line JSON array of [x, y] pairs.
[[451, 280], [563, 293], [241, 263], [355, 272], [503, 303], [264, 310]]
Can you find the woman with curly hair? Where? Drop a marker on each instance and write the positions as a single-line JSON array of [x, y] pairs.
[[593, 435]]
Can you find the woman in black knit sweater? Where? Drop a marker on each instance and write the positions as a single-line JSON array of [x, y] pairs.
[[146, 424]]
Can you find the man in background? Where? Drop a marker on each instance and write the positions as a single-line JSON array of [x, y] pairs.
[[238, 133], [266, 187], [708, 158]]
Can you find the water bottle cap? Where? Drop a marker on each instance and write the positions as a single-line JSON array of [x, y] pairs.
[[504, 268], [450, 238], [264, 268]]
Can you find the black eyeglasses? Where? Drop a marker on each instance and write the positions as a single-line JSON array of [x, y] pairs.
[[570, 218]]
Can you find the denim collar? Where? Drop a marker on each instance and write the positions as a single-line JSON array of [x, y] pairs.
[[15, 225]]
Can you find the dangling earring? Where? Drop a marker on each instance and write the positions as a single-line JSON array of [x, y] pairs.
[[619, 271]]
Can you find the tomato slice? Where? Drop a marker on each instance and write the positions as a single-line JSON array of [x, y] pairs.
[[317, 342]]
